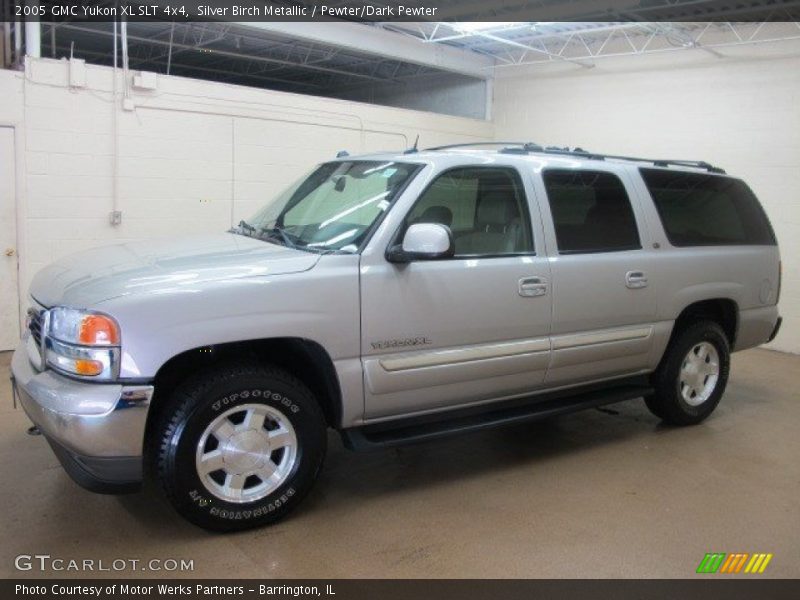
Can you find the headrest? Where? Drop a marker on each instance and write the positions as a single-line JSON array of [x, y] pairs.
[[436, 214], [497, 208]]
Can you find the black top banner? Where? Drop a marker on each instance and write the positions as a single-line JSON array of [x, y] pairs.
[[408, 10]]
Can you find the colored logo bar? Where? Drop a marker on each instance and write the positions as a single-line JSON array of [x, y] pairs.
[[737, 562]]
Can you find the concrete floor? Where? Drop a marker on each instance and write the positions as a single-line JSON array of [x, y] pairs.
[[604, 493]]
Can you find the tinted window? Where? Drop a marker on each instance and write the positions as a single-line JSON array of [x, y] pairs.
[[591, 211], [707, 210], [484, 207]]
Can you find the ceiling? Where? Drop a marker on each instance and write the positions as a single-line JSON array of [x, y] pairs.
[[612, 10], [583, 43], [507, 33], [231, 53]]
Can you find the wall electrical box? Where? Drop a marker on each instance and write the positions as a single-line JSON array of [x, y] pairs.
[[77, 72], [145, 80]]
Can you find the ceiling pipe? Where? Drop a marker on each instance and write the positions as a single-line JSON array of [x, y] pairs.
[[17, 43], [124, 32], [169, 52], [6, 45], [115, 218], [33, 34]]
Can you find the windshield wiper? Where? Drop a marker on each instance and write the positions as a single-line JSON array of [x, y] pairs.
[[244, 228], [278, 232]]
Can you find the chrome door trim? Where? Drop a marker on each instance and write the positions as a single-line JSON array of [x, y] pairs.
[[433, 358], [562, 342]]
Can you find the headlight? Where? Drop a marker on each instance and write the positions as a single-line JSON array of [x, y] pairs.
[[82, 327], [82, 343]]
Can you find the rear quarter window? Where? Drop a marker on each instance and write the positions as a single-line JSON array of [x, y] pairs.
[[707, 210]]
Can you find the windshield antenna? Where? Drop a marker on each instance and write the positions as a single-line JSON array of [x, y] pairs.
[[413, 149]]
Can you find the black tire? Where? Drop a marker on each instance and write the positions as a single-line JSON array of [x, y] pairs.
[[197, 403], [667, 403]]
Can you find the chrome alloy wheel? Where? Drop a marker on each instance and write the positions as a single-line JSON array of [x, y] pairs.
[[246, 453], [699, 374]]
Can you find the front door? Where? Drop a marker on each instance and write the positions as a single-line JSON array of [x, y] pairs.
[[466, 329], [9, 293]]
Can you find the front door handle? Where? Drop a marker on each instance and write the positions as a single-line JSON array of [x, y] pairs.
[[636, 279], [532, 286]]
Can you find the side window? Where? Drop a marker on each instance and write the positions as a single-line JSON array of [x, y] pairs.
[[591, 211], [484, 207], [707, 210]]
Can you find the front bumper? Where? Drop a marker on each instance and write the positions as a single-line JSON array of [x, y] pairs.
[[775, 331], [96, 430]]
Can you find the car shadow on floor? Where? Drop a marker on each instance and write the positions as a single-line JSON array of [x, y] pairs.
[[475, 455]]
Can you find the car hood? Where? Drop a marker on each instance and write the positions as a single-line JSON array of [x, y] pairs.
[[96, 275]]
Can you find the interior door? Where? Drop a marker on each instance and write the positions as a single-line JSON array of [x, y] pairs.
[[604, 300], [471, 328], [9, 298]]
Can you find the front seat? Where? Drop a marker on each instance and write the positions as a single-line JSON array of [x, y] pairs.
[[436, 214], [498, 228]]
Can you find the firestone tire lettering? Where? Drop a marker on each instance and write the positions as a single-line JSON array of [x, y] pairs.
[[196, 403]]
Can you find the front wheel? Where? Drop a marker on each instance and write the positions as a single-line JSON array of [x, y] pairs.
[[240, 447], [692, 376]]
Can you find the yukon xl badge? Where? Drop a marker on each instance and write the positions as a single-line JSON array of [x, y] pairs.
[[401, 343]]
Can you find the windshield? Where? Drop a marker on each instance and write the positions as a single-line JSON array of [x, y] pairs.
[[333, 208]]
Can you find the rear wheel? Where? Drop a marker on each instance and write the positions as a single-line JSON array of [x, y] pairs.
[[692, 376], [240, 447]]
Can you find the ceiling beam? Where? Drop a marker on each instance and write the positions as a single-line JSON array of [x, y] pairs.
[[516, 10], [229, 54], [383, 43]]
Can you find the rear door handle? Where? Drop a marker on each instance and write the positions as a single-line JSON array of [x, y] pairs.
[[636, 279], [532, 286]]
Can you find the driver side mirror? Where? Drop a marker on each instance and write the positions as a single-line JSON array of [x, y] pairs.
[[423, 241]]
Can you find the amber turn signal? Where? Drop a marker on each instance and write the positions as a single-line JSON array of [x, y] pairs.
[[88, 367], [98, 330]]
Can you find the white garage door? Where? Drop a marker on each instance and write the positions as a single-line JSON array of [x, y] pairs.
[[9, 301]]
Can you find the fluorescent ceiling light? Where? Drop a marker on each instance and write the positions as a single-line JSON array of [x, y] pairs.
[[475, 26]]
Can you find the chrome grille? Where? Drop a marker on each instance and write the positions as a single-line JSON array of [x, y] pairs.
[[35, 319]]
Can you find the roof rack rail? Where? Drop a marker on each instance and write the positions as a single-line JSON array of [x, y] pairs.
[[700, 164], [469, 144], [532, 148], [661, 162]]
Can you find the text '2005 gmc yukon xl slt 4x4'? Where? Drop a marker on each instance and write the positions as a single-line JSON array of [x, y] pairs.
[[396, 298]]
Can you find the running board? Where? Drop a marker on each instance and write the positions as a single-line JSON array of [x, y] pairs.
[[421, 429]]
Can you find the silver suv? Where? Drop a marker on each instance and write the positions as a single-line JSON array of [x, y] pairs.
[[394, 298]]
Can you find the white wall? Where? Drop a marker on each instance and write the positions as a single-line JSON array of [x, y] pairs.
[[741, 112], [194, 156]]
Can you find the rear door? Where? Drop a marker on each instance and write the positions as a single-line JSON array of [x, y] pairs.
[[471, 328], [604, 300]]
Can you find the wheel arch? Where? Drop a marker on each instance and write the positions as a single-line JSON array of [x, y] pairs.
[[723, 311], [305, 359]]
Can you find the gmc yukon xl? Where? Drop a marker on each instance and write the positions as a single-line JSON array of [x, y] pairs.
[[395, 298]]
